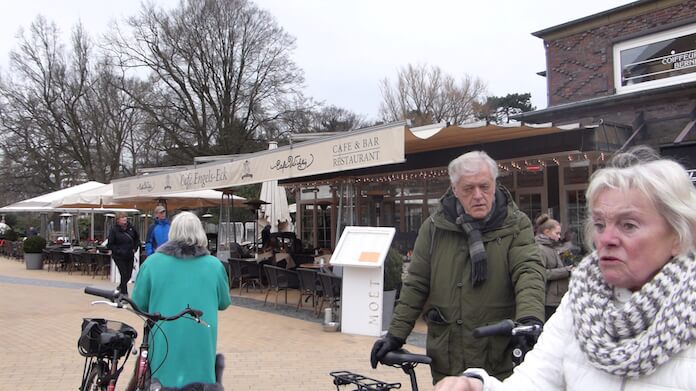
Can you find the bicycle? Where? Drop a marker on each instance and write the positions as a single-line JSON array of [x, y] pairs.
[[400, 358], [510, 328], [104, 342], [407, 361]]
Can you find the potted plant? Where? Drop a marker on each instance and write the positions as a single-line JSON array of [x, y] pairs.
[[393, 269], [33, 252]]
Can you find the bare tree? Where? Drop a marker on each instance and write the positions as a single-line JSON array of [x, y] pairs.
[[220, 71], [307, 116], [336, 119], [425, 95], [62, 117]]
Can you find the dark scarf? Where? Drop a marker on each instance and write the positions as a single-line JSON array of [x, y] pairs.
[[474, 227]]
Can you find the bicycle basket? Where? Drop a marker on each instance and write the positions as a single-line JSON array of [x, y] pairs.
[[102, 337]]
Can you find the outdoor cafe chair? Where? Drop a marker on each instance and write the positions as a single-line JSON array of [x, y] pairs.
[[331, 289], [228, 271], [102, 264], [279, 279], [244, 273], [310, 288]]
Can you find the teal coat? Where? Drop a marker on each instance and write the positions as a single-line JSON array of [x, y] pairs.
[[439, 278], [168, 284]]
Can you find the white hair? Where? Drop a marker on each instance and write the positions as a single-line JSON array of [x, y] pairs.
[[186, 228], [470, 163], [664, 182]]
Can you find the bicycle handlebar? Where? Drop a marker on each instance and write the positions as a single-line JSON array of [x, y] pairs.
[[117, 298], [503, 327], [507, 327]]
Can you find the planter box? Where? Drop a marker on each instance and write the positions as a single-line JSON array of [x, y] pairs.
[[33, 261]]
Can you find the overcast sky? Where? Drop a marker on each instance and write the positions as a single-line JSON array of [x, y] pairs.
[[346, 47]]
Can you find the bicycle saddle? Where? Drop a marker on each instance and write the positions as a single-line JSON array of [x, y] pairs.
[[403, 356]]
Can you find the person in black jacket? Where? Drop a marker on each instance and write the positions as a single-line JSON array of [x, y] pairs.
[[123, 242]]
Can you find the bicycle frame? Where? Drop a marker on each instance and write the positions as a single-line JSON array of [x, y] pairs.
[[142, 371], [141, 377]]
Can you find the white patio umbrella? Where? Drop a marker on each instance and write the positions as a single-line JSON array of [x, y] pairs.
[[99, 197], [104, 197], [186, 199], [48, 203], [45, 201], [277, 209]]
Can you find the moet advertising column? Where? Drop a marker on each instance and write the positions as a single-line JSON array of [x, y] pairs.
[[362, 251]]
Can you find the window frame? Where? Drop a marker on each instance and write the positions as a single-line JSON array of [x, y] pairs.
[[647, 40]]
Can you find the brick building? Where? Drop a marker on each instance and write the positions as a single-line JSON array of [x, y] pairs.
[[633, 67]]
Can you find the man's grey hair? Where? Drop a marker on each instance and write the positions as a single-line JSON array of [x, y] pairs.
[[470, 163], [160, 208], [664, 182], [187, 229]]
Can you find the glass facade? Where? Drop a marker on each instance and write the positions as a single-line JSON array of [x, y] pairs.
[[404, 200], [577, 212], [530, 204]]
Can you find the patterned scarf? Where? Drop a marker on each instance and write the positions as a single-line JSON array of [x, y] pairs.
[[635, 338], [473, 229]]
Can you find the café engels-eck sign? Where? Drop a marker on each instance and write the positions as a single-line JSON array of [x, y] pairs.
[[338, 153]]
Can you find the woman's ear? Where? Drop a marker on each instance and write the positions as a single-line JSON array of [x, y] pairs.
[[676, 245]]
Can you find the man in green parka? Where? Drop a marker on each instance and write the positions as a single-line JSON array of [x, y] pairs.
[[475, 263]]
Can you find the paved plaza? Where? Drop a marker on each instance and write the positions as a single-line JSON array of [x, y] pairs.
[[266, 348]]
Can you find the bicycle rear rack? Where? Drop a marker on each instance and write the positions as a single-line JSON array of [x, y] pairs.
[[364, 383]]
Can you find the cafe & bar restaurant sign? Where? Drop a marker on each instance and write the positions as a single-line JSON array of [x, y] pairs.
[[357, 149]]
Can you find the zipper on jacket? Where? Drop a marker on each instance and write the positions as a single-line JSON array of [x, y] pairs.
[[623, 383]]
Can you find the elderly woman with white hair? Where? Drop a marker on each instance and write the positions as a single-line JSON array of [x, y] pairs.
[[628, 321], [182, 273]]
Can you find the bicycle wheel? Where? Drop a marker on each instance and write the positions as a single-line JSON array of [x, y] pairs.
[[96, 372]]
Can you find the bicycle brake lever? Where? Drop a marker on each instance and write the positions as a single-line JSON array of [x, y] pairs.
[[525, 329], [199, 321], [105, 302]]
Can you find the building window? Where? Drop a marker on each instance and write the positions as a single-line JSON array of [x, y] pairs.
[[507, 180], [577, 212], [656, 60], [576, 175], [530, 204], [530, 179]]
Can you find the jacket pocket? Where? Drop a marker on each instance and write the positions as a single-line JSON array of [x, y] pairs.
[[438, 346], [434, 316], [498, 356]]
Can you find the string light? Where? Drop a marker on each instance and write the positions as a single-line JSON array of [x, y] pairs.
[[525, 164]]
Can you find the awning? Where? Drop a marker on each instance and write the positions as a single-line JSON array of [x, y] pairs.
[[351, 150], [478, 133], [370, 148]]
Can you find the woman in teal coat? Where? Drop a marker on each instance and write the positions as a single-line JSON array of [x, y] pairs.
[[182, 273]]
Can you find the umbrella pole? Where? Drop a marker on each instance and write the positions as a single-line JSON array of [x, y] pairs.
[[91, 225]]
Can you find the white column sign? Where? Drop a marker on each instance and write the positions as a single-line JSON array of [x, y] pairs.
[[361, 251]]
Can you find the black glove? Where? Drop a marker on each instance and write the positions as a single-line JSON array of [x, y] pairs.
[[523, 343], [382, 346], [531, 339]]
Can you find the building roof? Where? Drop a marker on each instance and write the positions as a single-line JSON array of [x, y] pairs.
[[591, 107], [600, 15]]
